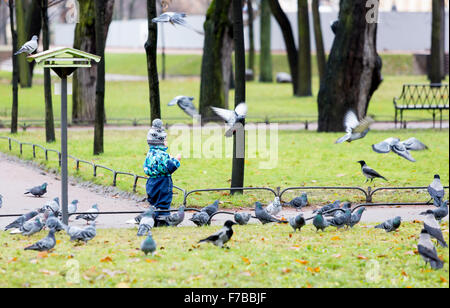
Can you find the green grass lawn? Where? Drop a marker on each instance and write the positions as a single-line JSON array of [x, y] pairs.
[[259, 256], [303, 159], [130, 100]]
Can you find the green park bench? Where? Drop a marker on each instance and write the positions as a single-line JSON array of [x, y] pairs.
[[431, 97]]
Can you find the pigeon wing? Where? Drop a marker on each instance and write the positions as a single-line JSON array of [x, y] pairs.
[[400, 150], [226, 115], [363, 125], [414, 144]]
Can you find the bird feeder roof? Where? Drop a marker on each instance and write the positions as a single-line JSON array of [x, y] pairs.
[[64, 57]]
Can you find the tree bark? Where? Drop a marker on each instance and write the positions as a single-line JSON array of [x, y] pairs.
[[84, 79], [353, 71], [22, 38], [265, 59], [304, 50], [216, 60], [15, 74], [100, 85], [251, 38], [238, 169], [437, 57], [320, 49], [289, 41], [152, 69], [49, 120]]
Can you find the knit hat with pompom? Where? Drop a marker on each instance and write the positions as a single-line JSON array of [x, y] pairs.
[[156, 134]]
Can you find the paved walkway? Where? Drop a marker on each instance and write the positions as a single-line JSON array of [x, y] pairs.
[[17, 176]]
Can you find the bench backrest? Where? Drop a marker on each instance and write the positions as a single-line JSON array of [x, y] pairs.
[[423, 95]]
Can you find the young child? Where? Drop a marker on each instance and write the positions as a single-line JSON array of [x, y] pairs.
[[159, 166]]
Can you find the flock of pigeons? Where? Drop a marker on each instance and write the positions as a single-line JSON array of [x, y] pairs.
[[336, 214]]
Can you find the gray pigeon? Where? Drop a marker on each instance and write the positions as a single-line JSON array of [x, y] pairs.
[[53, 223], [242, 218], [29, 47], [174, 219], [52, 205], [200, 218], [274, 207], [147, 222], [185, 104], [369, 173], [46, 244], [31, 227], [212, 208], [283, 77], [37, 191], [1, 201], [431, 225], [264, 217], [401, 148], [21, 220], [326, 208], [175, 19], [391, 224], [428, 251], [414, 144], [441, 212], [297, 222], [354, 128], [299, 202], [320, 222], [72, 207], [222, 236], [233, 118], [91, 216], [81, 234], [341, 219], [148, 245], [436, 190], [356, 217]]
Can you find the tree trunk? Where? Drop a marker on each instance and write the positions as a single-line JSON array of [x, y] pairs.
[[289, 41], [304, 50], [15, 74], [84, 79], [22, 38], [238, 171], [100, 85], [33, 27], [152, 69], [265, 59], [353, 71], [437, 58], [49, 121], [216, 61], [320, 49], [251, 38]]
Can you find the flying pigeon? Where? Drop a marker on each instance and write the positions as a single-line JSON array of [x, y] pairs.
[[72, 207], [53, 223], [222, 236], [428, 251], [211, 209], [29, 47], [185, 104], [263, 216], [175, 19], [274, 207], [21, 220], [341, 219], [174, 219], [391, 224], [356, 217], [297, 222], [242, 218], [354, 128], [299, 202], [436, 190], [233, 118], [401, 148], [369, 173], [31, 227], [37, 191], [89, 217], [1, 201], [81, 234], [46, 244], [200, 218], [320, 222], [148, 245], [147, 222], [431, 225]]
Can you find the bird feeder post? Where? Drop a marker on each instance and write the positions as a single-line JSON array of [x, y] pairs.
[[64, 61]]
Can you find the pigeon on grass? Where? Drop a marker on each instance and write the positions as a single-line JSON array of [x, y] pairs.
[[148, 245], [263, 216], [200, 219], [242, 218], [174, 219], [390, 225], [297, 222], [81, 234], [147, 223], [46, 244], [16, 224]]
